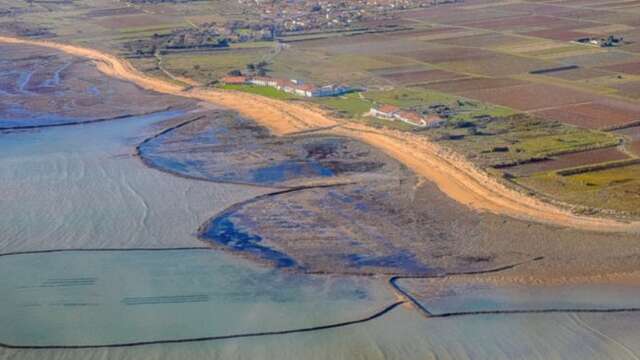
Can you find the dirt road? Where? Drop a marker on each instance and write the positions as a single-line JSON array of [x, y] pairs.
[[455, 176]]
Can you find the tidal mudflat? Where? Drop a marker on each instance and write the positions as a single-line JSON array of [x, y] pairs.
[[342, 206], [52, 88], [128, 275]]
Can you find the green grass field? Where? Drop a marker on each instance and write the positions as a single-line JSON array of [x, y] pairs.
[[262, 90], [615, 189], [208, 66], [350, 106], [523, 136]]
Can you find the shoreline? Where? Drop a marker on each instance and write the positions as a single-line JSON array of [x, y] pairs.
[[453, 175]]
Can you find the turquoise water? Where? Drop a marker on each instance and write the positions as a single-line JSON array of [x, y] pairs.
[[478, 296], [117, 297]]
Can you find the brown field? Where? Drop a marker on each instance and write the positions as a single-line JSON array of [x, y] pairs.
[[537, 9], [568, 161], [600, 59], [632, 68], [441, 54], [498, 65], [633, 136], [629, 89], [597, 115], [477, 61], [556, 34], [133, 21], [531, 96], [459, 86], [489, 40], [606, 29], [392, 60], [618, 4], [399, 69], [624, 4], [581, 2], [634, 47], [578, 74], [634, 147], [422, 76], [418, 32], [444, 15], [522, 23], [113, 12], [451, 33], [363, 45], [585, 14], [543, 47]]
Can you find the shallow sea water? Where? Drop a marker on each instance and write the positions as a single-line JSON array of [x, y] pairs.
[[80, 187], [119, 297]]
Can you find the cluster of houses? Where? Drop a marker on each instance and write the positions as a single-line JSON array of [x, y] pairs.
[[609, 41], [392, 113], [296, 87]]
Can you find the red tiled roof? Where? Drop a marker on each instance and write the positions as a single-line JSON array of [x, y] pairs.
[[284, 82], [234, 79], [411, 116], [306, 87], [388, 109]]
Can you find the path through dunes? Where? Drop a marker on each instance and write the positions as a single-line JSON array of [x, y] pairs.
[[456, 177]]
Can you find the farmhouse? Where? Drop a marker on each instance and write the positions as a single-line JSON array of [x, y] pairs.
[[263, 81], [384, 112], [391, 112], [292, 86]]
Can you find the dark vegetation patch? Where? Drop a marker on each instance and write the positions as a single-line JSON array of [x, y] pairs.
[[554, 69], [223, 147]]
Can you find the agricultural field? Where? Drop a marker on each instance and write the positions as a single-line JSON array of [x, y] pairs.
[[595, 115], [261, 90], [519, 138], [615, 189], [208, 66], [565, 161]]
